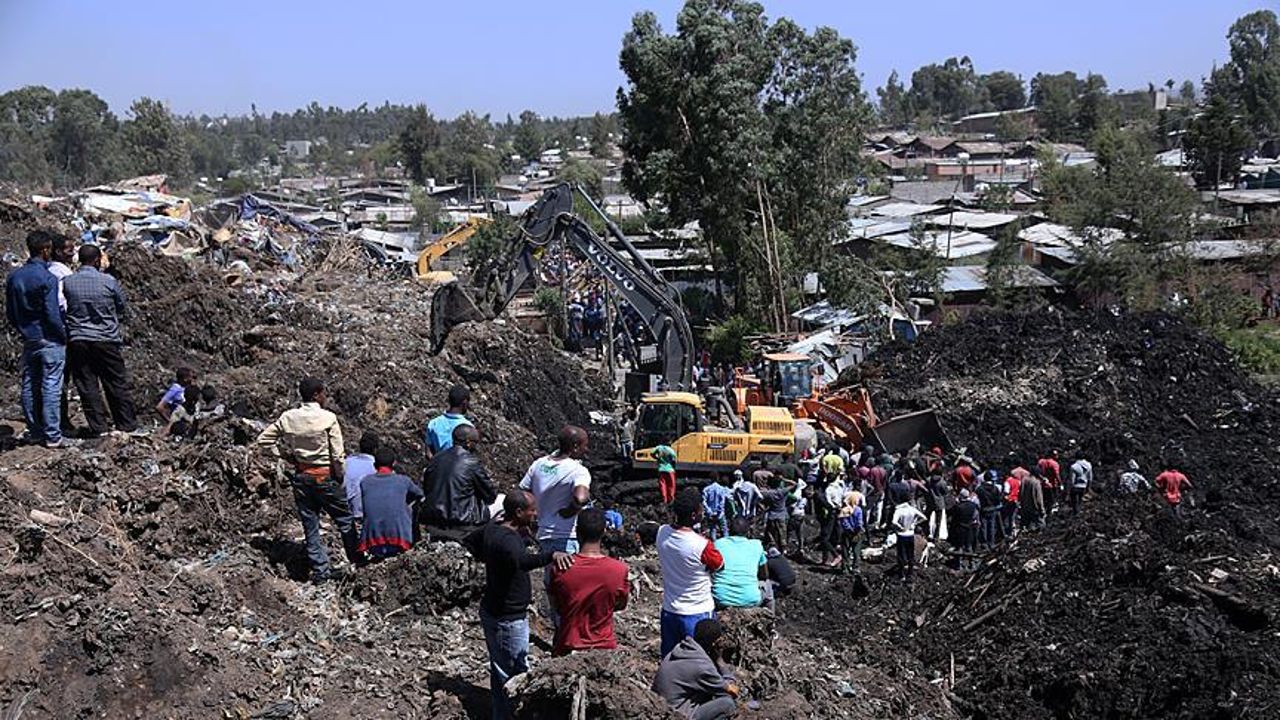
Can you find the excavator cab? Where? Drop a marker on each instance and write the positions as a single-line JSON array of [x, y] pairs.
[[665, 417], [790, 377]]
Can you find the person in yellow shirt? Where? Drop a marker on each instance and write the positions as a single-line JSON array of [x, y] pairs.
[[310, 438]]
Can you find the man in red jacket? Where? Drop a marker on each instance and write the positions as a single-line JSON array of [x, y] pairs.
[[1172, 483]]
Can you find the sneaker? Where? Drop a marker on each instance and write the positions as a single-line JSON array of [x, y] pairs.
[[63, 443]]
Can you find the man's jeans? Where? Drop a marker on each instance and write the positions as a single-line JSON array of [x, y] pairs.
[[678, 627], [42, 368], [508, 644], [991, 527], [565, 545], [311, 497]]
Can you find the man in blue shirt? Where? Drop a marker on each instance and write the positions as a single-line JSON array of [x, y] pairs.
[[32, 306], [439, 435], [714, 498]]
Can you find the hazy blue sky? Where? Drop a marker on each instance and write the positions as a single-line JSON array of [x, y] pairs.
[[558, 57]]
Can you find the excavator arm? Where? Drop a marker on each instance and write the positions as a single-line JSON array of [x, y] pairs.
[[447, 242], [552, 218]]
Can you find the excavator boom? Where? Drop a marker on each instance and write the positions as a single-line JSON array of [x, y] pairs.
[[551, 218]]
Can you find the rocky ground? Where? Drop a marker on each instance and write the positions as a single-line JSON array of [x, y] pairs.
[[144, 578]]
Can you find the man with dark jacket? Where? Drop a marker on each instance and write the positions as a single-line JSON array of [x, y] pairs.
[[95, 353], [504, 607], [990, 499], [32, 306], [458, 488]]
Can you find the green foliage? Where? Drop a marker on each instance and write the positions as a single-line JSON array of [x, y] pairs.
[[155, 143], [894, 109], [1070, 109], [602, 127], [469, 153], [699, 304], [550, 302], [742, 125], [948, 90], [729, 341], [1251, 80], [1256, 348], [426, 209], [489, 242], [1215, 143], [529, 140], [419, 144], [586, 174], [1004, 90]]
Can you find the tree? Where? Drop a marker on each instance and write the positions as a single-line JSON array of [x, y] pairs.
[[893, 102], [419, 144], [1056, 98], [1128, 192], [154, 143], [692, 126], [580, 172], [529, 141], [601, 138], [749, 128], [83, 138], [1094, 107], [1004, 90], [1187, 93], [1215, 143], [1252, 77], [948, 90], [469, 153]]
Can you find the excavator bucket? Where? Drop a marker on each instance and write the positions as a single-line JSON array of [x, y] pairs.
[[451, 305], [907, 431]]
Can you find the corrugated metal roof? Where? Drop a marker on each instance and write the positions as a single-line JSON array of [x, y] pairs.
[[867, 228], [971, 219], [960, 244], [904, 209], [973, 278], [1053, 234], [1231, 249]]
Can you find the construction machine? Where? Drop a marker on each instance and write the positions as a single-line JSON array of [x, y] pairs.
[[441, 246], [676, 417]]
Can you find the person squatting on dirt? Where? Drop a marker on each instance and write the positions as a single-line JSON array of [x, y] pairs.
[[176, 394], [95, 347], [1172, 483], [439, 434], [737, 582], [687, 560], [33, 309], [458, 488], [665, 457], [588, 594], [692, 679], [386, 497], [504, 606], [562, 486], [310, 438], [357, 467], [1132, 480]]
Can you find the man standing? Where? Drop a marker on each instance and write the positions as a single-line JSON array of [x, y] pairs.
[[775, 512], [562, 486], [905, 519], [60, 267], [1172, 483], [665, 457], [989, 503], [310, 438], [1051, 472], [1031, 500], [687, 560], [31, 303], [386, 497], [1081, 479], [95, 306], [504, 607], [714, 498], [589, 593], [440, 430], [745, 496], [690, 678], [964, 529], [458, 488]]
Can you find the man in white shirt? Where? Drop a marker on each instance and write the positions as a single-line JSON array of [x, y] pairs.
[[687, 560], [905, 519], [562, 486]]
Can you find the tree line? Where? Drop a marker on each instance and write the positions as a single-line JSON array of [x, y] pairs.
[[72, 138]]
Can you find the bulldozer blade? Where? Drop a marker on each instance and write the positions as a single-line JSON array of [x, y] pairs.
[[451, 305], [904, 432]]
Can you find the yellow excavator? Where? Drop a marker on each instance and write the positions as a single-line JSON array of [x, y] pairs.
[[441, 246]]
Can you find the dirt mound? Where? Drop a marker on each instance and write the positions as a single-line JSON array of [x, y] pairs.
[[609, 685], [1113, 387], [439, 577]]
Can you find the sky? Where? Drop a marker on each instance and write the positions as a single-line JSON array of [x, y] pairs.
[[556, 57]]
